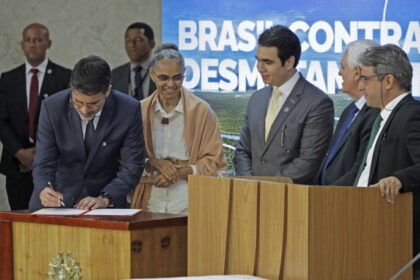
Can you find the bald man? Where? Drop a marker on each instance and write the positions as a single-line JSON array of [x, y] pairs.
[[22, 91]]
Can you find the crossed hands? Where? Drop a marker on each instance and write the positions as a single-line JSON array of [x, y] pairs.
[[26, 159], [169, 172]]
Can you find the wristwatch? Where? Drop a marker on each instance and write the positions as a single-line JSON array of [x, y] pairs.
[[107, 196]]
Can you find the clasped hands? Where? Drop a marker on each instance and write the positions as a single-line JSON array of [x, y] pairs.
[[169, 172], [26, 159]]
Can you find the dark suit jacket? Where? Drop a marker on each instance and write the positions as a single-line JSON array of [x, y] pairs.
[[397, 153], [298, 139], [115, 161], [343, 167], [14, 117], [120, 77]]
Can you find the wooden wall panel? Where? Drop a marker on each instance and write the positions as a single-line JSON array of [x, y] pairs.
[[243, 228], [271, 230], [209, 208], [159, 251], [34, 246]]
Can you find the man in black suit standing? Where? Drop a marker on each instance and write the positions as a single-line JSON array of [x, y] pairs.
[[351, 135], [21, 92], [133, 78], [392, 158]]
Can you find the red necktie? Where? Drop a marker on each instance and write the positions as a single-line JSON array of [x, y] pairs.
[[33, 101]]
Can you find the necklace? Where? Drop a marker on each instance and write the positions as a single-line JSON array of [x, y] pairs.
[[167, 120]]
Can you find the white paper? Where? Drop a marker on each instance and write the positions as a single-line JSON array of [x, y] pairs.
[[59, 212], [112, 212]]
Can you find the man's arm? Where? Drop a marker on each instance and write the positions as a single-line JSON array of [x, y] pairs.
[[409, 176], [7, 135], [131, 162], [46, 157], [243, 152], [316, 135]]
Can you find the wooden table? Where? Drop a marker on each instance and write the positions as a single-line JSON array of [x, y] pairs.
[[145, 245]]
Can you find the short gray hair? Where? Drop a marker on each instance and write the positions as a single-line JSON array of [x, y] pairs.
[[389, 59], [167, 51], [355, 49]]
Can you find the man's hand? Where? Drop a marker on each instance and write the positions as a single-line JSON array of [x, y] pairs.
[[389, 187], [26, 159], [166, 168], [90, 203], [50, 198]]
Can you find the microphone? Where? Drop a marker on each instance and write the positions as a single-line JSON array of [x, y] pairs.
[[410, 263]]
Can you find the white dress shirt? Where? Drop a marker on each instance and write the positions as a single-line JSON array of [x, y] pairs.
[[286, 89], [169, 142], [95, 122], [42, 68], [385, 113]]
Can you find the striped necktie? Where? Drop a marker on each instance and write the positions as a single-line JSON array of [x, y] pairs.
[[272, 112], [375, 129], [343, 130]]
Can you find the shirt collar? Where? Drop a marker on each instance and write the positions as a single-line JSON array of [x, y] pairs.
[[41, 68], [144, 66], [386, 112], [288, 86], [179, 107], [360, 103]]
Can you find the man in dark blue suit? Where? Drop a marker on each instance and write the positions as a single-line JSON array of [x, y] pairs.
[[89, 144], [351, 135]]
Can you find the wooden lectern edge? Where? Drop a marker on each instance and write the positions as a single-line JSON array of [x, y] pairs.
[[141, 220]]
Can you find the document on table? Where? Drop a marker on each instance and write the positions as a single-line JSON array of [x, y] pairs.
[[60, 212], [80, 212], [112, 212]]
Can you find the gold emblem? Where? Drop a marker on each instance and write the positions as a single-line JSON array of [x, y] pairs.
[[64, 267]]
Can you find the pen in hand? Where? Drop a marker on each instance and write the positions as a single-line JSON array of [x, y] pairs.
[[51, 186]]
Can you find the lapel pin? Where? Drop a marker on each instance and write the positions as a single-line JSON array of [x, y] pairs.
[[292, 100], [286, 109], [103, 144], [49, 71], [45, 95]]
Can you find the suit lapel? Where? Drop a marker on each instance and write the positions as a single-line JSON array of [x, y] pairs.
[[46, 82], [383, 135], [76, 130], [262, 111], [288, 106], [102, 127], [21, 90], [350, 130]]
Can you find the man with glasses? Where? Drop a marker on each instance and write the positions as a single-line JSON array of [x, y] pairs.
[[90, 149], [133, 77], [351, 135], [392, 158]]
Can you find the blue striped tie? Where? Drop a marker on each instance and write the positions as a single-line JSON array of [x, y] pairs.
[[346, 125]]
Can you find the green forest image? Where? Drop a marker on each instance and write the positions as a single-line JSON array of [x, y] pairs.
[[230, 109]]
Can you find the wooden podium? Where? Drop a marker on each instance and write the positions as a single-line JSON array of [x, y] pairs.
[[287, 231], [145, 245]]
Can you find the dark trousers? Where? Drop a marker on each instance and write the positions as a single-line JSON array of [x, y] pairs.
[[19, 191]]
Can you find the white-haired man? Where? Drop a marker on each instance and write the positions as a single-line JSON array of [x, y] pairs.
[[348, 144]]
